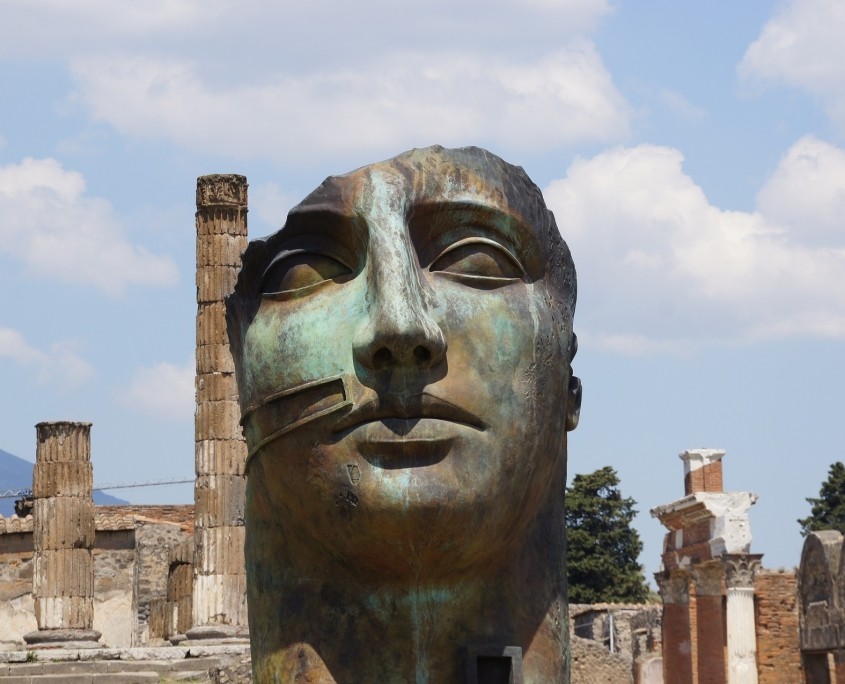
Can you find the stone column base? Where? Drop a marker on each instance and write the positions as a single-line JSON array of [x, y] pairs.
[[63, 638], [214, 635]]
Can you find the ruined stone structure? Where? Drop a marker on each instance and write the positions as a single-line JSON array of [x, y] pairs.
[[63, 576], [708, 586], [219, 594], [707, 546], [130, 555], [821, 593], [626, 633]]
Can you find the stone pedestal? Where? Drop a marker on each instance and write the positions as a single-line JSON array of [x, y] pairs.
[[677, 646], [742, 635], [710, 628], [219, 593], [63, 575]]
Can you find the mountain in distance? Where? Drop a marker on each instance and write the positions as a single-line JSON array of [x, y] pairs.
[[16, 473]]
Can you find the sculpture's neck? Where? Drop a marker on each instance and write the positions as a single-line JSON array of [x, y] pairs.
[[336, 626]]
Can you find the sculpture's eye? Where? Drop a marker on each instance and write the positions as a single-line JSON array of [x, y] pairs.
[[478, 261], [299, 270]]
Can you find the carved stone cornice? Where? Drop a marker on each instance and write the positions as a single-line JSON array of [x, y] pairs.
[[673, 586], [740, 569], [222, 190], [708, 578]]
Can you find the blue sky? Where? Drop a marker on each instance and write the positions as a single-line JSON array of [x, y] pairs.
[[693, 153]]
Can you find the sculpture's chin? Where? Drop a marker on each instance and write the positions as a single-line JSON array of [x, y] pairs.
[[427, 515]]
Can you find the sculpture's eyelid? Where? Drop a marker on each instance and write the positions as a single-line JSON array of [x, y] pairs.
[[484, 241], [286, 253]]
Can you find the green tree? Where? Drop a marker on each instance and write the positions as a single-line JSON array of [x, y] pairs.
[[828, 510], [602, 547]]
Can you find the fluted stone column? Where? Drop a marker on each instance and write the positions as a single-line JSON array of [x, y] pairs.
[[742, 634], [63, 536], [677, 643], [219, 594], [710, 630]]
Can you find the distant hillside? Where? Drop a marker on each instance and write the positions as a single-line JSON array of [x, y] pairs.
[[16, 473]]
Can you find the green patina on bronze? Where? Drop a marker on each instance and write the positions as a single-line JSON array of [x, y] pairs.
[[403, 349]]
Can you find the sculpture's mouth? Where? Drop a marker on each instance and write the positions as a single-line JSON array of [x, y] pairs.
[[396, 417]]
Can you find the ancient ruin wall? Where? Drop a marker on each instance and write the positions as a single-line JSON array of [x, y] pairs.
[[778, 653], [592, 663], [17, 607]]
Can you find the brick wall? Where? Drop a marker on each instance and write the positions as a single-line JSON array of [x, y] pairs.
[[778, 651]]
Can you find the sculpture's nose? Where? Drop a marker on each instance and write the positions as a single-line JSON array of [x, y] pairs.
[[399, 330]]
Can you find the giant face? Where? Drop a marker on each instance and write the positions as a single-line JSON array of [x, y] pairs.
[[403, 349]]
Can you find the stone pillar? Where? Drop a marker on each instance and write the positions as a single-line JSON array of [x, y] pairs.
[[677, 644], [63, 537], [702, 470], [710, 626], [219, 592], [742, 634]]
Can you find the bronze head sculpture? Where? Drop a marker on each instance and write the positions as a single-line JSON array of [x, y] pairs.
[[403, 348]]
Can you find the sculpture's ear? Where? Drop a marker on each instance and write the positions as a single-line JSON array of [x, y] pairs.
[[573, 392]]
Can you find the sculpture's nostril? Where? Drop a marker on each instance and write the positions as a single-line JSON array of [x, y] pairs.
[[382, 358], [422, 355]]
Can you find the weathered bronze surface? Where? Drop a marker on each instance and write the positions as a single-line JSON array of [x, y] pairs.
[[403, 350]]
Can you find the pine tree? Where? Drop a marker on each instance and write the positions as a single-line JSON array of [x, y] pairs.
[[828, 510], [602, 547]]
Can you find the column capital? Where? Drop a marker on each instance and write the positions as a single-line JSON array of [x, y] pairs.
[[708, 578], [222, 190], [740, 569], [673, 586]]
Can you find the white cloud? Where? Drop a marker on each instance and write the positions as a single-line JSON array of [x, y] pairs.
[[58, 232], [268, 33], [660, 268], [164, 390], [401, 101], [807, 193], [60, 365], [801, 46]]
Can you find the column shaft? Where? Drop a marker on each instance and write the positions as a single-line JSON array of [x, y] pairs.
[[710, 623], [219, 595], [63, 536], [677, 643], [742, 636], [742, 631]]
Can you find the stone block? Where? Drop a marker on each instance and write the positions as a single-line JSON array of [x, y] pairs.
[[220, 250], [220, 551], [62, 441], [216, 387], [65, 572], [211, 324], [219, 500], [219, 600], [215, 282], [64, 478], [220, 457], [64, 522], [64, 612], [221, 222], [214, 358], [218, 420]]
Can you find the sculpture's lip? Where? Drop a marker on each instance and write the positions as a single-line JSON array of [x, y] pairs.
[[394, 409]]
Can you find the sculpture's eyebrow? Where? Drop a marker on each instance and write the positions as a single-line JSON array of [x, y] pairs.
[[316, 219]]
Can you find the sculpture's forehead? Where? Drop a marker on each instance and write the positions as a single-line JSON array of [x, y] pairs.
[[431, 176]]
